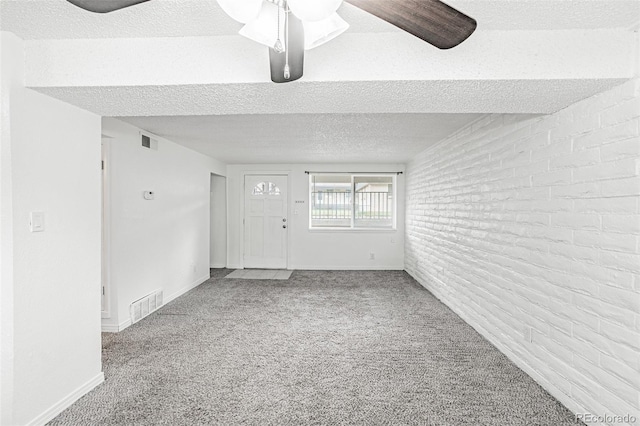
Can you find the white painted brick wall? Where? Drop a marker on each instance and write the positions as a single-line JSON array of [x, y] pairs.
[[531, 226]]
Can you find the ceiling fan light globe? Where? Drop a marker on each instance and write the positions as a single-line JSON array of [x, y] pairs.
[[242, 11], [313, 10], [317, 33], [264, 28]]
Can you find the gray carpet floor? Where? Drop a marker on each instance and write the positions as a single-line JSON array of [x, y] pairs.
[[324, 347]]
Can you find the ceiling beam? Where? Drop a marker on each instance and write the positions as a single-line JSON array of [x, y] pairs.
[[493, 71]]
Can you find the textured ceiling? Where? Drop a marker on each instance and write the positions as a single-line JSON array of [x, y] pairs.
[[177, 68], [471, 96], [297, 138], [58, 19]]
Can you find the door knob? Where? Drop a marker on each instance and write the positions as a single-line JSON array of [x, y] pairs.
[[284, 226], [284, 219]]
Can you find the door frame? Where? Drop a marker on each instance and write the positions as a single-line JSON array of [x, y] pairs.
[[286, 173], [225, 199], [105, 286]]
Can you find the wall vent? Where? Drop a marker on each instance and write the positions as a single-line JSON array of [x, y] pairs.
[[148, 142], [146, 305]]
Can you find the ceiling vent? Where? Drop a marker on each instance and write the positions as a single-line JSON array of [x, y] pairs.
[[148, 142]]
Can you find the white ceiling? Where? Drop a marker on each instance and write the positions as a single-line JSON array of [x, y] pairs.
[[58, 19], [299, 138], [177, 68]]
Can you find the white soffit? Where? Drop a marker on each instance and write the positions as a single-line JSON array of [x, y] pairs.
[[574, 49], [304, 138], [177, 68], [493, 72]]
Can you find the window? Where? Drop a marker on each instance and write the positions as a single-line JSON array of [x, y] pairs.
[[352, 201], [266, 188]]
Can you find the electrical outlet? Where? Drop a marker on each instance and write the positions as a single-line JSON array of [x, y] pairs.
[[372, 256]]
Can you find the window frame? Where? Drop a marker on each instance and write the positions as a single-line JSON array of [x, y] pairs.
[[352, 227]]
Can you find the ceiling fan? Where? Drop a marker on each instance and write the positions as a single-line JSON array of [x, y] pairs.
[[289, 27]]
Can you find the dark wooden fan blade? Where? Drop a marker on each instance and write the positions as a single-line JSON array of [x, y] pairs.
[[104, 6], [433, 21], [277, 60]]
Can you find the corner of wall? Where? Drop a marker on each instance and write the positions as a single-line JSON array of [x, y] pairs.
[[11, 76], [171, 248], [527, 227], [32, 122], [67, 401]]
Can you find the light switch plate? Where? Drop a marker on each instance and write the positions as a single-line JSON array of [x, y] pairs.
[[36, 223]]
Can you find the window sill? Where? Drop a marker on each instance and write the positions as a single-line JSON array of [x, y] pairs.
[[354, 230]]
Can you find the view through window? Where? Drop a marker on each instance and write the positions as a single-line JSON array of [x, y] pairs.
[[352, 201]]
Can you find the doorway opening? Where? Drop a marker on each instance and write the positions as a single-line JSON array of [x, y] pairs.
[[105, 290], [218, 224]]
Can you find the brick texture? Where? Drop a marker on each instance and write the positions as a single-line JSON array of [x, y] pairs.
[[529, 228]]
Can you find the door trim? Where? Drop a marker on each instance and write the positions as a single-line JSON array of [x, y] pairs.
[[105, 282], [246, 173]]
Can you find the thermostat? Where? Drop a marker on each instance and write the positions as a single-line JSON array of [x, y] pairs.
[[149, 195]]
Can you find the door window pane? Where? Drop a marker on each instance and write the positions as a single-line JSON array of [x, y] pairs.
[[268, 188], [273, 189]]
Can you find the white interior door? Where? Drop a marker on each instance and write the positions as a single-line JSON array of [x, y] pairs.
[[265, 221]]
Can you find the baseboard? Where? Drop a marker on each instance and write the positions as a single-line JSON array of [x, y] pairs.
[[115, 328], [112, 328], [564, 399], [217, 266], [185, 289], [348, 268], [67, 401], [109, 328], [336, 268]]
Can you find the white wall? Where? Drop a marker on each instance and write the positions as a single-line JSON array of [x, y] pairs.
[[51, 342], [218, 239], [161, 243], [11, 60], [529, 228], [318, 249]]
